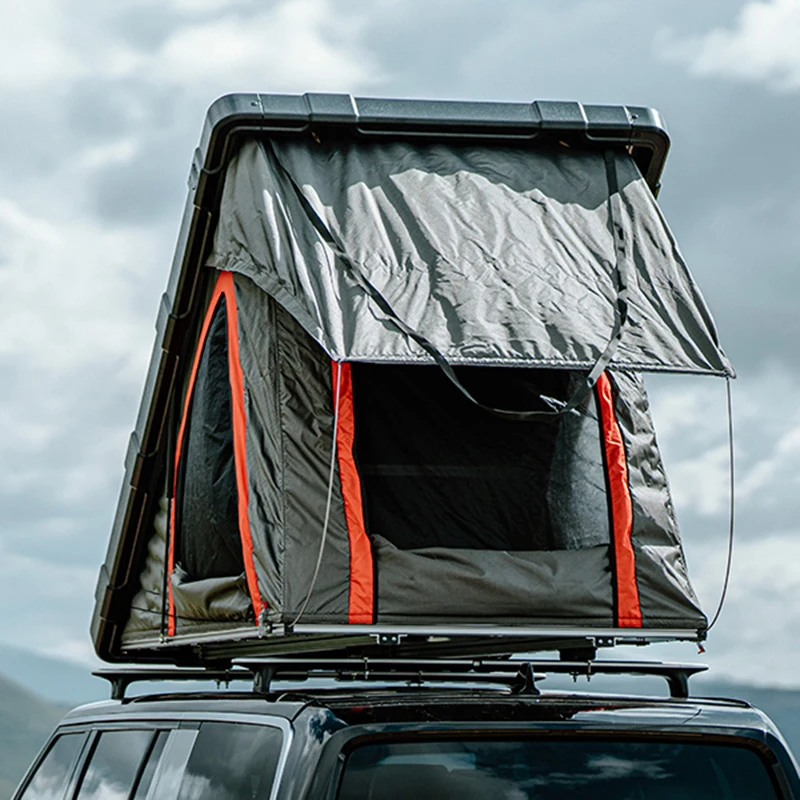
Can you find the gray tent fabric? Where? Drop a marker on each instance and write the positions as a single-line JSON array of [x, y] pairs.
[[290, 434], [210, 599], [199, 604], [496, 255], [289, 439], [147, 606], [505, 259], [576, 490], [260, 367], [665, 593], [557, 587], [307, 435]]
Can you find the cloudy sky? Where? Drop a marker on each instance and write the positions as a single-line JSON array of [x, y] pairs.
[[101, 106]]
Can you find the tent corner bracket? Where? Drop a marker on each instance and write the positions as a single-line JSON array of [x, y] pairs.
[[388, 639]]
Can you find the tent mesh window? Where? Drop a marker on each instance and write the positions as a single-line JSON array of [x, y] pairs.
[[439, 471], [207, 542]]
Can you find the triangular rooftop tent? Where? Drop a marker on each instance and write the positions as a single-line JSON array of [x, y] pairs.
[[413, 399]]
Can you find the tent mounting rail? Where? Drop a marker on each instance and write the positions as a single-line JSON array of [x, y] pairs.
[[306, 635], [618, 635], [396, 641]]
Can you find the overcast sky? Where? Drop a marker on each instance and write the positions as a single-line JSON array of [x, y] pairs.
[[102, 105]]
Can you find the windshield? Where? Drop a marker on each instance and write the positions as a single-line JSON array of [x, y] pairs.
[[554, 770]]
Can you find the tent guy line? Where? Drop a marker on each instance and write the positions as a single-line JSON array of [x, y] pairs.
[[332, 472], [731, 507]]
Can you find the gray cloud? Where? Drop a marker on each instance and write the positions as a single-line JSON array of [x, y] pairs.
[[143, 189], [146, 27], [61, 458], [760, 45], [97, 109]]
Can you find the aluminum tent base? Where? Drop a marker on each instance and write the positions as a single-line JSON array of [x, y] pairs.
[[398, 640]]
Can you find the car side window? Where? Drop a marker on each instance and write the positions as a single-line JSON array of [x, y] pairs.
[[153, 759], [166, 777], [232, 761], [52, 776], [114, 764]]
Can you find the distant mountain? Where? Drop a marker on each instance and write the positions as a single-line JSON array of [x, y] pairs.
[[51, 678], [25, 723]]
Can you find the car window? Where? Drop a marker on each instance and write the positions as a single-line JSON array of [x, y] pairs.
[[232, 761], [153, 758], [562, 770], [50, 780], [168, 774], [114, 765]]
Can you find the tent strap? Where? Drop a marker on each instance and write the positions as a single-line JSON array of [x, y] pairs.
[[559, 407]]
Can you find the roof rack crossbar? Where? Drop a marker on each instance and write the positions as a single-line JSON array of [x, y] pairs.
[[519, 674], [121, 678]]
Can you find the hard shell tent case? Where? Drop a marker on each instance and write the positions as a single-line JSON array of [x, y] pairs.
[[185, 308]]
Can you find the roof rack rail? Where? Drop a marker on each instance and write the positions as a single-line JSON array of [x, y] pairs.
[[519, 674], [121, 678]]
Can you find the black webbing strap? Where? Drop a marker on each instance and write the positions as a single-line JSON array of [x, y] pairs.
[[587, 384]]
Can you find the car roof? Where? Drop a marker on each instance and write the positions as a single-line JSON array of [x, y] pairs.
[[386, 705]]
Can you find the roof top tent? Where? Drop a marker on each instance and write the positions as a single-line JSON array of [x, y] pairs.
[[396, 394]]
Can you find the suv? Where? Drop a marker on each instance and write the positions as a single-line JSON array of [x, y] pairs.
[[411, 729]]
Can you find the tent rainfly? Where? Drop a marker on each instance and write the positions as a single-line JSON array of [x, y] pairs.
[[415, 396]]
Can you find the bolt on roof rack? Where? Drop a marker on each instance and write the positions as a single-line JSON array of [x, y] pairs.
[[519, 674]]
